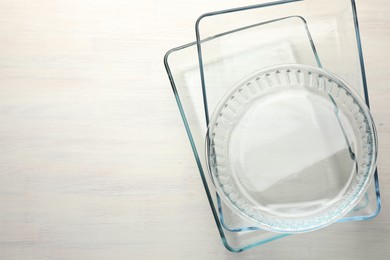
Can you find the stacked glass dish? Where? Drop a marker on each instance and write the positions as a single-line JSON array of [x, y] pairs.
[[274, 100]]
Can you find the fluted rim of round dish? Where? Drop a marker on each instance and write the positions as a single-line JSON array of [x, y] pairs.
[[366, 167]]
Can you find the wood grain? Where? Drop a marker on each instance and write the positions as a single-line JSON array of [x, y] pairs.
[[94, 160]]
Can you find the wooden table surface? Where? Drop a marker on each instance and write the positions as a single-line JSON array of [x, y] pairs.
[[94, 159]]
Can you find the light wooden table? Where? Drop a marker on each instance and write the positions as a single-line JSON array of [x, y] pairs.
[[94, 160]]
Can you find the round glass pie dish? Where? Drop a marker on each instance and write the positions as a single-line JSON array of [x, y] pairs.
[[292, 148]]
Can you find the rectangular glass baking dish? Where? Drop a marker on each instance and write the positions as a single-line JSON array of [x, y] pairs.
[[307, 44]]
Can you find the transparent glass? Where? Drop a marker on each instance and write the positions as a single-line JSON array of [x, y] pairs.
[[233, 44], [292, 148]]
